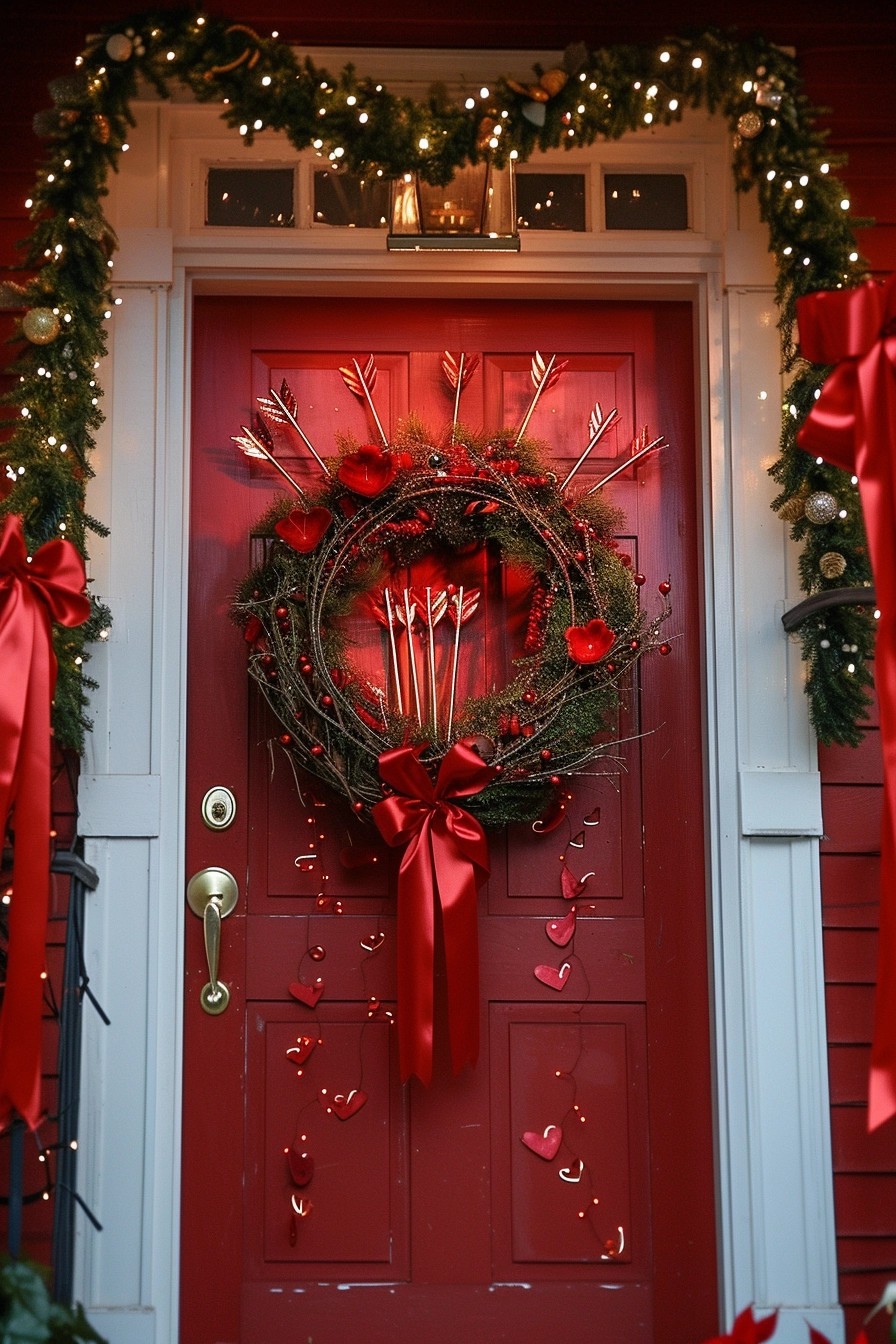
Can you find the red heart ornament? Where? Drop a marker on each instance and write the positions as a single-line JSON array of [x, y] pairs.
[[343, 1104], [299, 1052], [302, 531], [367, 471], [560, 931], [552, 977], [589, 643], [546, 1144], [301, 1166], [307, 994]]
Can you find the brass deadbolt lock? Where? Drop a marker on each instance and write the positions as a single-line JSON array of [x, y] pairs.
[[218, 808]]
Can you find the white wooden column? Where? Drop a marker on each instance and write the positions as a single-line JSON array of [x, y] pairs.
[[129, 792], [776, 1200]]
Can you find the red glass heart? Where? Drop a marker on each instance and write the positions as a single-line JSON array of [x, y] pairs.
[[301, 1166], [553, 977], [344, 1104], [307, 994], [560, 931], [303, 1047], [589, 643], [368, 471], [302, 531], [546, 1144]]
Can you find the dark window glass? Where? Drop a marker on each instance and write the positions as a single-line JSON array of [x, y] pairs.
[[349, 201], [551, 201], [646, 200], [255, 198]]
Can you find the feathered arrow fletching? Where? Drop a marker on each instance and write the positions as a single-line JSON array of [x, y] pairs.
[[545, 376], [358, 380], [362, 382], [463, 605], [460, 370]]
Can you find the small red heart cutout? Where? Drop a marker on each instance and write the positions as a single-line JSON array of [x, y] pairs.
[[303, 1047], [560, 931], [552, 977], [343, 1104], [307, 994], [302, 531], [368, 470], [301, 1166], [546, 1144]]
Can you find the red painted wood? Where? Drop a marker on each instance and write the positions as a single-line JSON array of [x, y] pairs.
[[851, 819], [850, 956], [429, 1198], [853, 765], [850, 887]]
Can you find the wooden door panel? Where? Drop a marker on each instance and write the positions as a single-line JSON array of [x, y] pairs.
[[430, 1215], [601, 1115], [368, 1237], [562, 415]]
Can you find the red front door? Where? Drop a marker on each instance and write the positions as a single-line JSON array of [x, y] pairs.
[[426, 1217]]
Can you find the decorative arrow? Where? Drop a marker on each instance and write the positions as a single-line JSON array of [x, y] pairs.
[[387, 598], [460, 609], [648, 448], [598, 427], [252, 446], [544, 377], [458, 372], [283, 407], [362, 382]]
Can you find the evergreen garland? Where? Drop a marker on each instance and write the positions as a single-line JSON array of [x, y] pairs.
[[355, 122]]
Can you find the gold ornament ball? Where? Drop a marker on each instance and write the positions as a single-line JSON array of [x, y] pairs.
[[40, 326], [749, 124], [832, 564], [119, 47], [821, 507]]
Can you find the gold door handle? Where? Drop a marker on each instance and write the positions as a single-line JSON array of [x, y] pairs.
[[212, 894]]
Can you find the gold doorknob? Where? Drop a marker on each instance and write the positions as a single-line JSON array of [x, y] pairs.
[[212, 894]]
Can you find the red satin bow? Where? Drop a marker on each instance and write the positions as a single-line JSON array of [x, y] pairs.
[[445, 861], [853, 425], [32, 594]]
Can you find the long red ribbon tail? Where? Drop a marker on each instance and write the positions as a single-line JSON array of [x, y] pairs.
[[29, 673], [853, 425]]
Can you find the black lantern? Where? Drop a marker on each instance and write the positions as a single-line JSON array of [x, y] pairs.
[[475, 211]]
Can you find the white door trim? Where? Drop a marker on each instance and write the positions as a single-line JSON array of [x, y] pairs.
[[775, 1201]]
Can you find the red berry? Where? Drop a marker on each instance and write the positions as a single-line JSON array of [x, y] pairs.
[[665, 649], [545, 753], [639, 579], [317, 750], [665, 587]]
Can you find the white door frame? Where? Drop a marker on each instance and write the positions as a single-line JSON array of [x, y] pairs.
[[773, 1159]]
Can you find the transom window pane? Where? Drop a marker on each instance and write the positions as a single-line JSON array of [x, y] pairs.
[[259, 198], [348, 201], [554, 201], [646, 200]]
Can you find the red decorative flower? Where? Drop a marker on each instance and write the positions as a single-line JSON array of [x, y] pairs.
[[589, 643], [368, 471], [302, 531]]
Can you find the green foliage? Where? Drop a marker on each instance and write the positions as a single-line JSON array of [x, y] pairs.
[[357, 124], [28, 1314]]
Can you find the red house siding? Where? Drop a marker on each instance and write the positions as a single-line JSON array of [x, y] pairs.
[[848, 62]]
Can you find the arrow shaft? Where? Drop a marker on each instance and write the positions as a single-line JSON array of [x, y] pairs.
[[594, 441], [301, 433]]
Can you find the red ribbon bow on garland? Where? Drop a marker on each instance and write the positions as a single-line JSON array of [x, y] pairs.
[[49, 587], [445, 861], [853, 426]]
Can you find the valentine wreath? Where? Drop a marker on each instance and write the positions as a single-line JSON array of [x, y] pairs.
[[361, 620]]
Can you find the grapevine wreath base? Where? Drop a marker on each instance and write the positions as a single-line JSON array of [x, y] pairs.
[[370, 559]]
